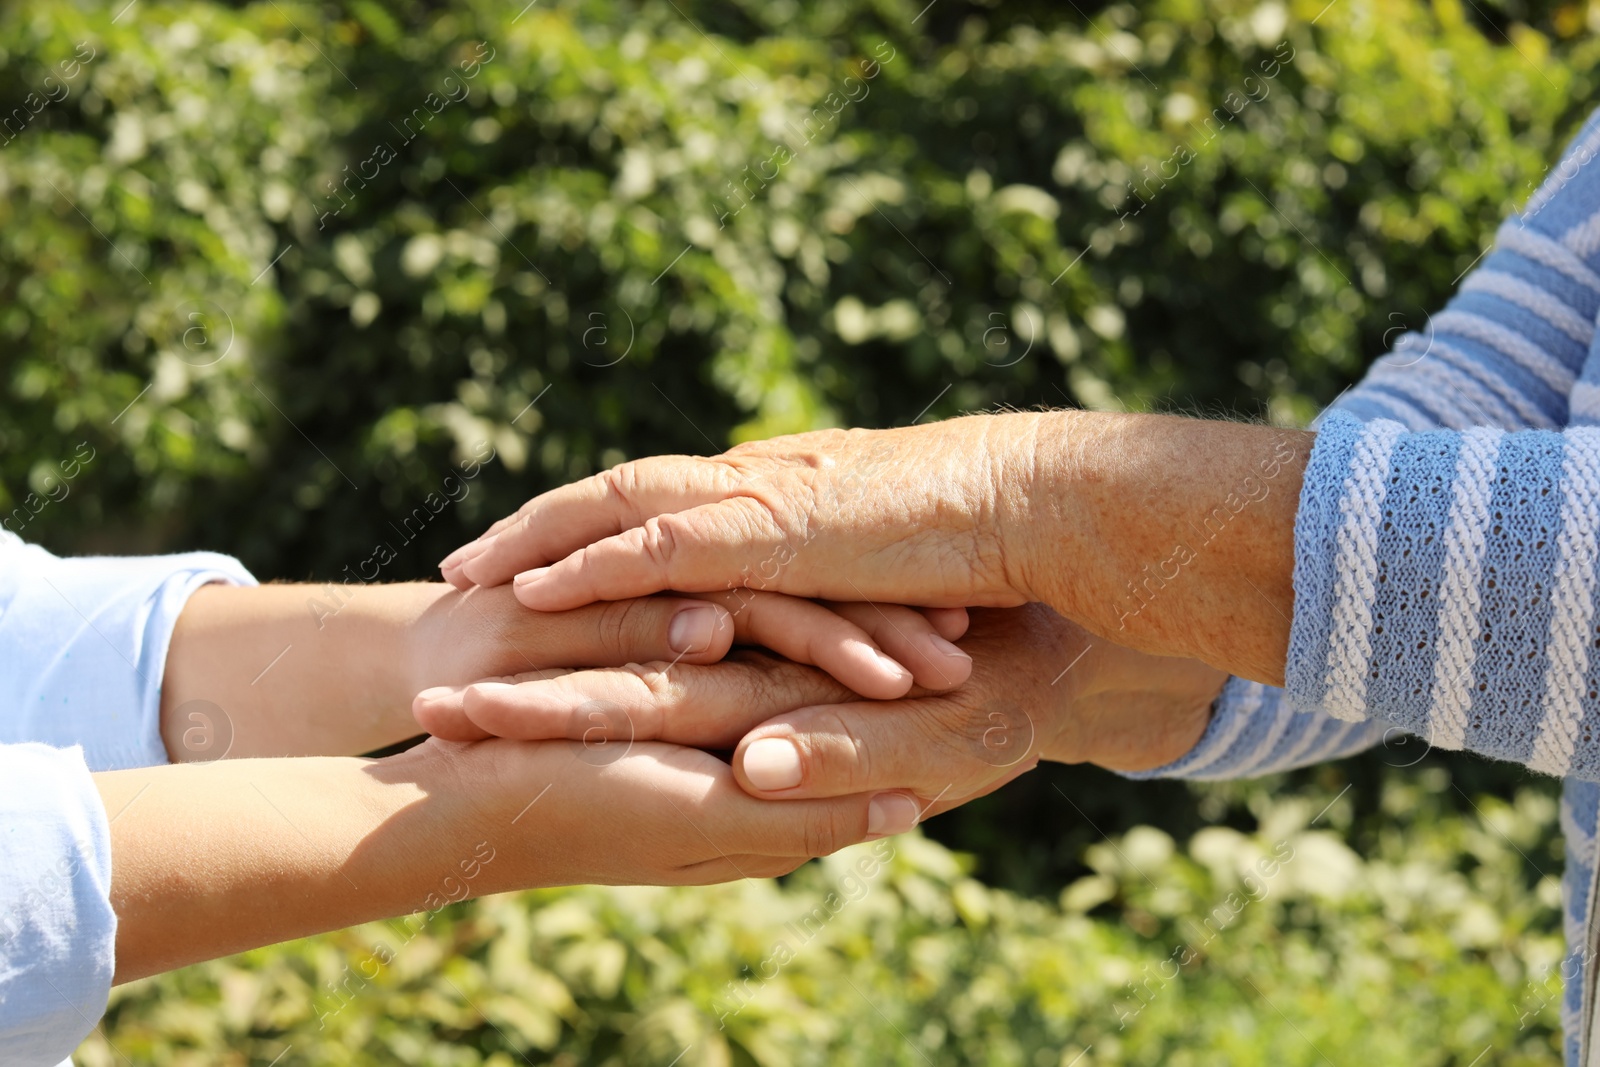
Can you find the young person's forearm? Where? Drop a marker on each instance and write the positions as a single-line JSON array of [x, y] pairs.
[[214, 858], [295, 670], [1174, 536], [210, 859]]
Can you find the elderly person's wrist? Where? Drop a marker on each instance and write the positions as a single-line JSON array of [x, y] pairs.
[[1111, 705], [1033, 459], [1170, 536]]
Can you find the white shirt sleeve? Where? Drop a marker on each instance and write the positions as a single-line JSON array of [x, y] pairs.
[[57, 930], [83, 646]]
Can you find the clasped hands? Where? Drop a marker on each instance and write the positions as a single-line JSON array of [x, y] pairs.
[[863, 714], [752, 605]]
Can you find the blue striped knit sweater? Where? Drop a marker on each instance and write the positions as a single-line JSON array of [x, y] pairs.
[[1447, 547]]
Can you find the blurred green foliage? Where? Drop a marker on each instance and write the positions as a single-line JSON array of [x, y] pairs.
[[320, 263], [1280, 946], [269, 271]]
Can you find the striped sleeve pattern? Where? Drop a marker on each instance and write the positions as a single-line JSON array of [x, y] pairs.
[[1462, 606], [1446, 582], [1254, 732], [1510, 351]]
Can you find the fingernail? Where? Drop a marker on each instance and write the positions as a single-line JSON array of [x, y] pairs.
[[890, 813], [692, 629], [529, 577], [438, 692], [945, 648], [772, 763], [461, 555], [890, 666]]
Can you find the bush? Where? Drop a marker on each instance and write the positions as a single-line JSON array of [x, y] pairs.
[[1278, 946], [262, 291]]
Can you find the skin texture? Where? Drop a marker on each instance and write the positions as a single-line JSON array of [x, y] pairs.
[[247, 667], [1041, 688], [215, 858], [211, 856], [1171, 536]]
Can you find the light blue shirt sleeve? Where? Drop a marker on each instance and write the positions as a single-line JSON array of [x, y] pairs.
[[83, 645], [57, 930], [1253, 731]]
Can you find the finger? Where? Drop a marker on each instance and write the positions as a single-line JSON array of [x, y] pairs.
[[684, 704], [607, 634], [932, 746], [703, 549], [808, 632], [951, 623], [699, 793], [814, 827], [555, 524], [897, 812], [441, 710], [910, 637], [444, 718], [450, 566]]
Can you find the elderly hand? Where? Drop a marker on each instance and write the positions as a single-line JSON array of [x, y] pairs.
[[916, 515], [1138, 527], [1041, 689]]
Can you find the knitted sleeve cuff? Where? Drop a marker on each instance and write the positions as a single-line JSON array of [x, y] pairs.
[[1253, 732], [1445, 581]]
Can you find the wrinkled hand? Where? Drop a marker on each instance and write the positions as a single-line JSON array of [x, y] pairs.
[[1041, 688], [920, 515]]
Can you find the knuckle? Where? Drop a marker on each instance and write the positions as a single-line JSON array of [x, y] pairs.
[[846, 763], [655, 678], [480, 699], [660, 695], [618, 627], [827, 829], [620, 482], [659, 540]]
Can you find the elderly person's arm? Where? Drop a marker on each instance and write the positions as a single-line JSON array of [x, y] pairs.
[[1505, 352], [1442, 580], [1136, 526]]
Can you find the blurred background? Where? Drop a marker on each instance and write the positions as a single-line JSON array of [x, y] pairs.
[[269, 272]]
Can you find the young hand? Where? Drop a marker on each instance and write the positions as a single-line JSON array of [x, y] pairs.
[[215, 858], [282, 670], [1041, 688]]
